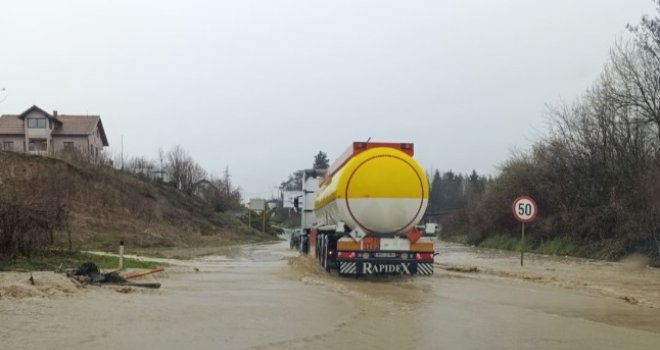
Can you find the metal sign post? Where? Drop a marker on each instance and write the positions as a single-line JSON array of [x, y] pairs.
[[121, 255], [522, 244], [524, 210], [263, 213]]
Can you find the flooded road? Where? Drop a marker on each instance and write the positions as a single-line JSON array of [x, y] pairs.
[[630, 280], [266, 297]]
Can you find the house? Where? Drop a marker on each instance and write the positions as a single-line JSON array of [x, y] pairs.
[[37, 131]]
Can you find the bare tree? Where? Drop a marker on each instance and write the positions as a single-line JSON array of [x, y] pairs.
[[183, 170], [634, 83], [140, 165]]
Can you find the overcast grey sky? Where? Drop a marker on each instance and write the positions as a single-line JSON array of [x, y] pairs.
[[262, 86]]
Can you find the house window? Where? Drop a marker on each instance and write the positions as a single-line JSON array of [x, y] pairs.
[[37, 145], [8, 145], [37, 123], [68, 146]]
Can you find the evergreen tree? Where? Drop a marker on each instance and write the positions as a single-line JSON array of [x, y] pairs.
[[321, 161]]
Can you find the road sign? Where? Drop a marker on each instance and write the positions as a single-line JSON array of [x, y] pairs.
[[257, 204], [525, 209]]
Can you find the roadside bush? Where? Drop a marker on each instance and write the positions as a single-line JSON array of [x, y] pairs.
[[27, 224]]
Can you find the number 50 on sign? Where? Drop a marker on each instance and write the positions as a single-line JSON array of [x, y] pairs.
[[525, 209]]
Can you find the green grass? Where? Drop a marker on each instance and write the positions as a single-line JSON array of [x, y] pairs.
[[186, 253], [53, 259], [558, 246]]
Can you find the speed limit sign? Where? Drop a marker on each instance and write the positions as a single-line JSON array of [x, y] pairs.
[[525, 209]]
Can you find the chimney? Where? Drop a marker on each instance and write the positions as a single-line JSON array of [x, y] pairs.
[[55, 114]]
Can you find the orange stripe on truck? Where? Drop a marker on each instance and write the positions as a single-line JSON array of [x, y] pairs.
[[421, 247], [348, 245], [367, 243]]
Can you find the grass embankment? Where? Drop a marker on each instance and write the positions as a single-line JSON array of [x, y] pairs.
[[186, 253], [556, 246], [54, 259], [105, 205]]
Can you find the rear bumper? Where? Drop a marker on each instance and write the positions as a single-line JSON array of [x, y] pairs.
[[384, 267]]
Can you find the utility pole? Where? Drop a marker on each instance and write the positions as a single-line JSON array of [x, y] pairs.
[[227, 181], [122, 152], [264, 217], [3, 98]]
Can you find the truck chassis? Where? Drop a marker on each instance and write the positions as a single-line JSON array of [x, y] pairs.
[[323, 245]]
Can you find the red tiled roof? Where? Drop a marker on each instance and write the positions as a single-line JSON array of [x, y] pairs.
[[10, 124], [71, 125], [80, 125], [76, 124]]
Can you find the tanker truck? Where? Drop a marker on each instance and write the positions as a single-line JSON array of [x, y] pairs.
[[367, 207]]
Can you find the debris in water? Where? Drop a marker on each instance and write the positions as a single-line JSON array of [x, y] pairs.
[[144, 273], [454, 268], [88, 273], [630, 300]]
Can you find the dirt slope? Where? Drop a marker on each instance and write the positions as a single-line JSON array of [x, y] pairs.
[[106, 205]]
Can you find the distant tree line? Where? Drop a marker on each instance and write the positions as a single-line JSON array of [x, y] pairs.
[[596, 176], [177, 168], [450, 191]]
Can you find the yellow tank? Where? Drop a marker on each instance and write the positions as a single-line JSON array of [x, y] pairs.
[[382, 190]]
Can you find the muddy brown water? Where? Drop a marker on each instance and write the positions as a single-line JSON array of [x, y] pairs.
[[267, 297]]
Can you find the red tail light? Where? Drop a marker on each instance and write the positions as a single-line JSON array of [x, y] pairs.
[[424, 256], [346, 255]]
